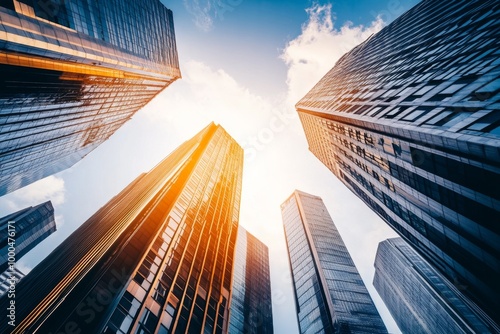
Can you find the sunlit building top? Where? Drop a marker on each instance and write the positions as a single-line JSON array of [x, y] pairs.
[[157, 258]]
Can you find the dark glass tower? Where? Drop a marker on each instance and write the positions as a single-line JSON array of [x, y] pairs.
[[157, 258], [419, 298], [409, 121], [329, 292], [251, 304], [73, 72], [23, 230]]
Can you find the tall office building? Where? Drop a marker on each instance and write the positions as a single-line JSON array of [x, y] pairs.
[[409, 121], [157, 258], [73, 72], [251, 304], [9, 279], [329, 292], [419, 298], [23, 230]]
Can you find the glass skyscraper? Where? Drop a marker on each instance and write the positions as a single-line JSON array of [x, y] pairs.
[[251, 304], [9, 278], [73, 72], [157, 258], [23, 230], [409, 121], [329, 292], [419, 298]]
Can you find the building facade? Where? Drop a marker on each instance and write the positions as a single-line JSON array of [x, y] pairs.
[[157, 258], [419, 298], [73, 72], [251, 304], [9, 279], [23, 230], [409, 122], [330, 295]]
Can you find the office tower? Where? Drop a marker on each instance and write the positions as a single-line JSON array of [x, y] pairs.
[[157, 258], [419, 298], [251, 304], [409, 122], [73, 72], [23, 230], [329, 293], [9, 278]]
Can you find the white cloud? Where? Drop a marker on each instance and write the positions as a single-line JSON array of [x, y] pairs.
[[201, 13], [204, 95], [318, 47], [23, 267], [205, 12], [50, 188], [282, 164], [269, 127], [59, 221], [309, 57]]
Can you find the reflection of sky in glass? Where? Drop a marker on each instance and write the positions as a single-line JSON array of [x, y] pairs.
[[169, 236], [313, 314], [410, 287], [331, 295], [69, 90], [251, 309], [407, 121]]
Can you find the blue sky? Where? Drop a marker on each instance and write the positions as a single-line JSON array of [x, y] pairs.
[[244, 67]]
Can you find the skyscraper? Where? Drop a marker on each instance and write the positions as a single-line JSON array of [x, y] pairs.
[[251, 304], [419, 298], [73, 72], [157, 258], [23, 230], [329, 293], [409, 122], [9, 278]]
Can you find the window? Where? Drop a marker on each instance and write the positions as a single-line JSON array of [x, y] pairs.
[[148, 322]]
